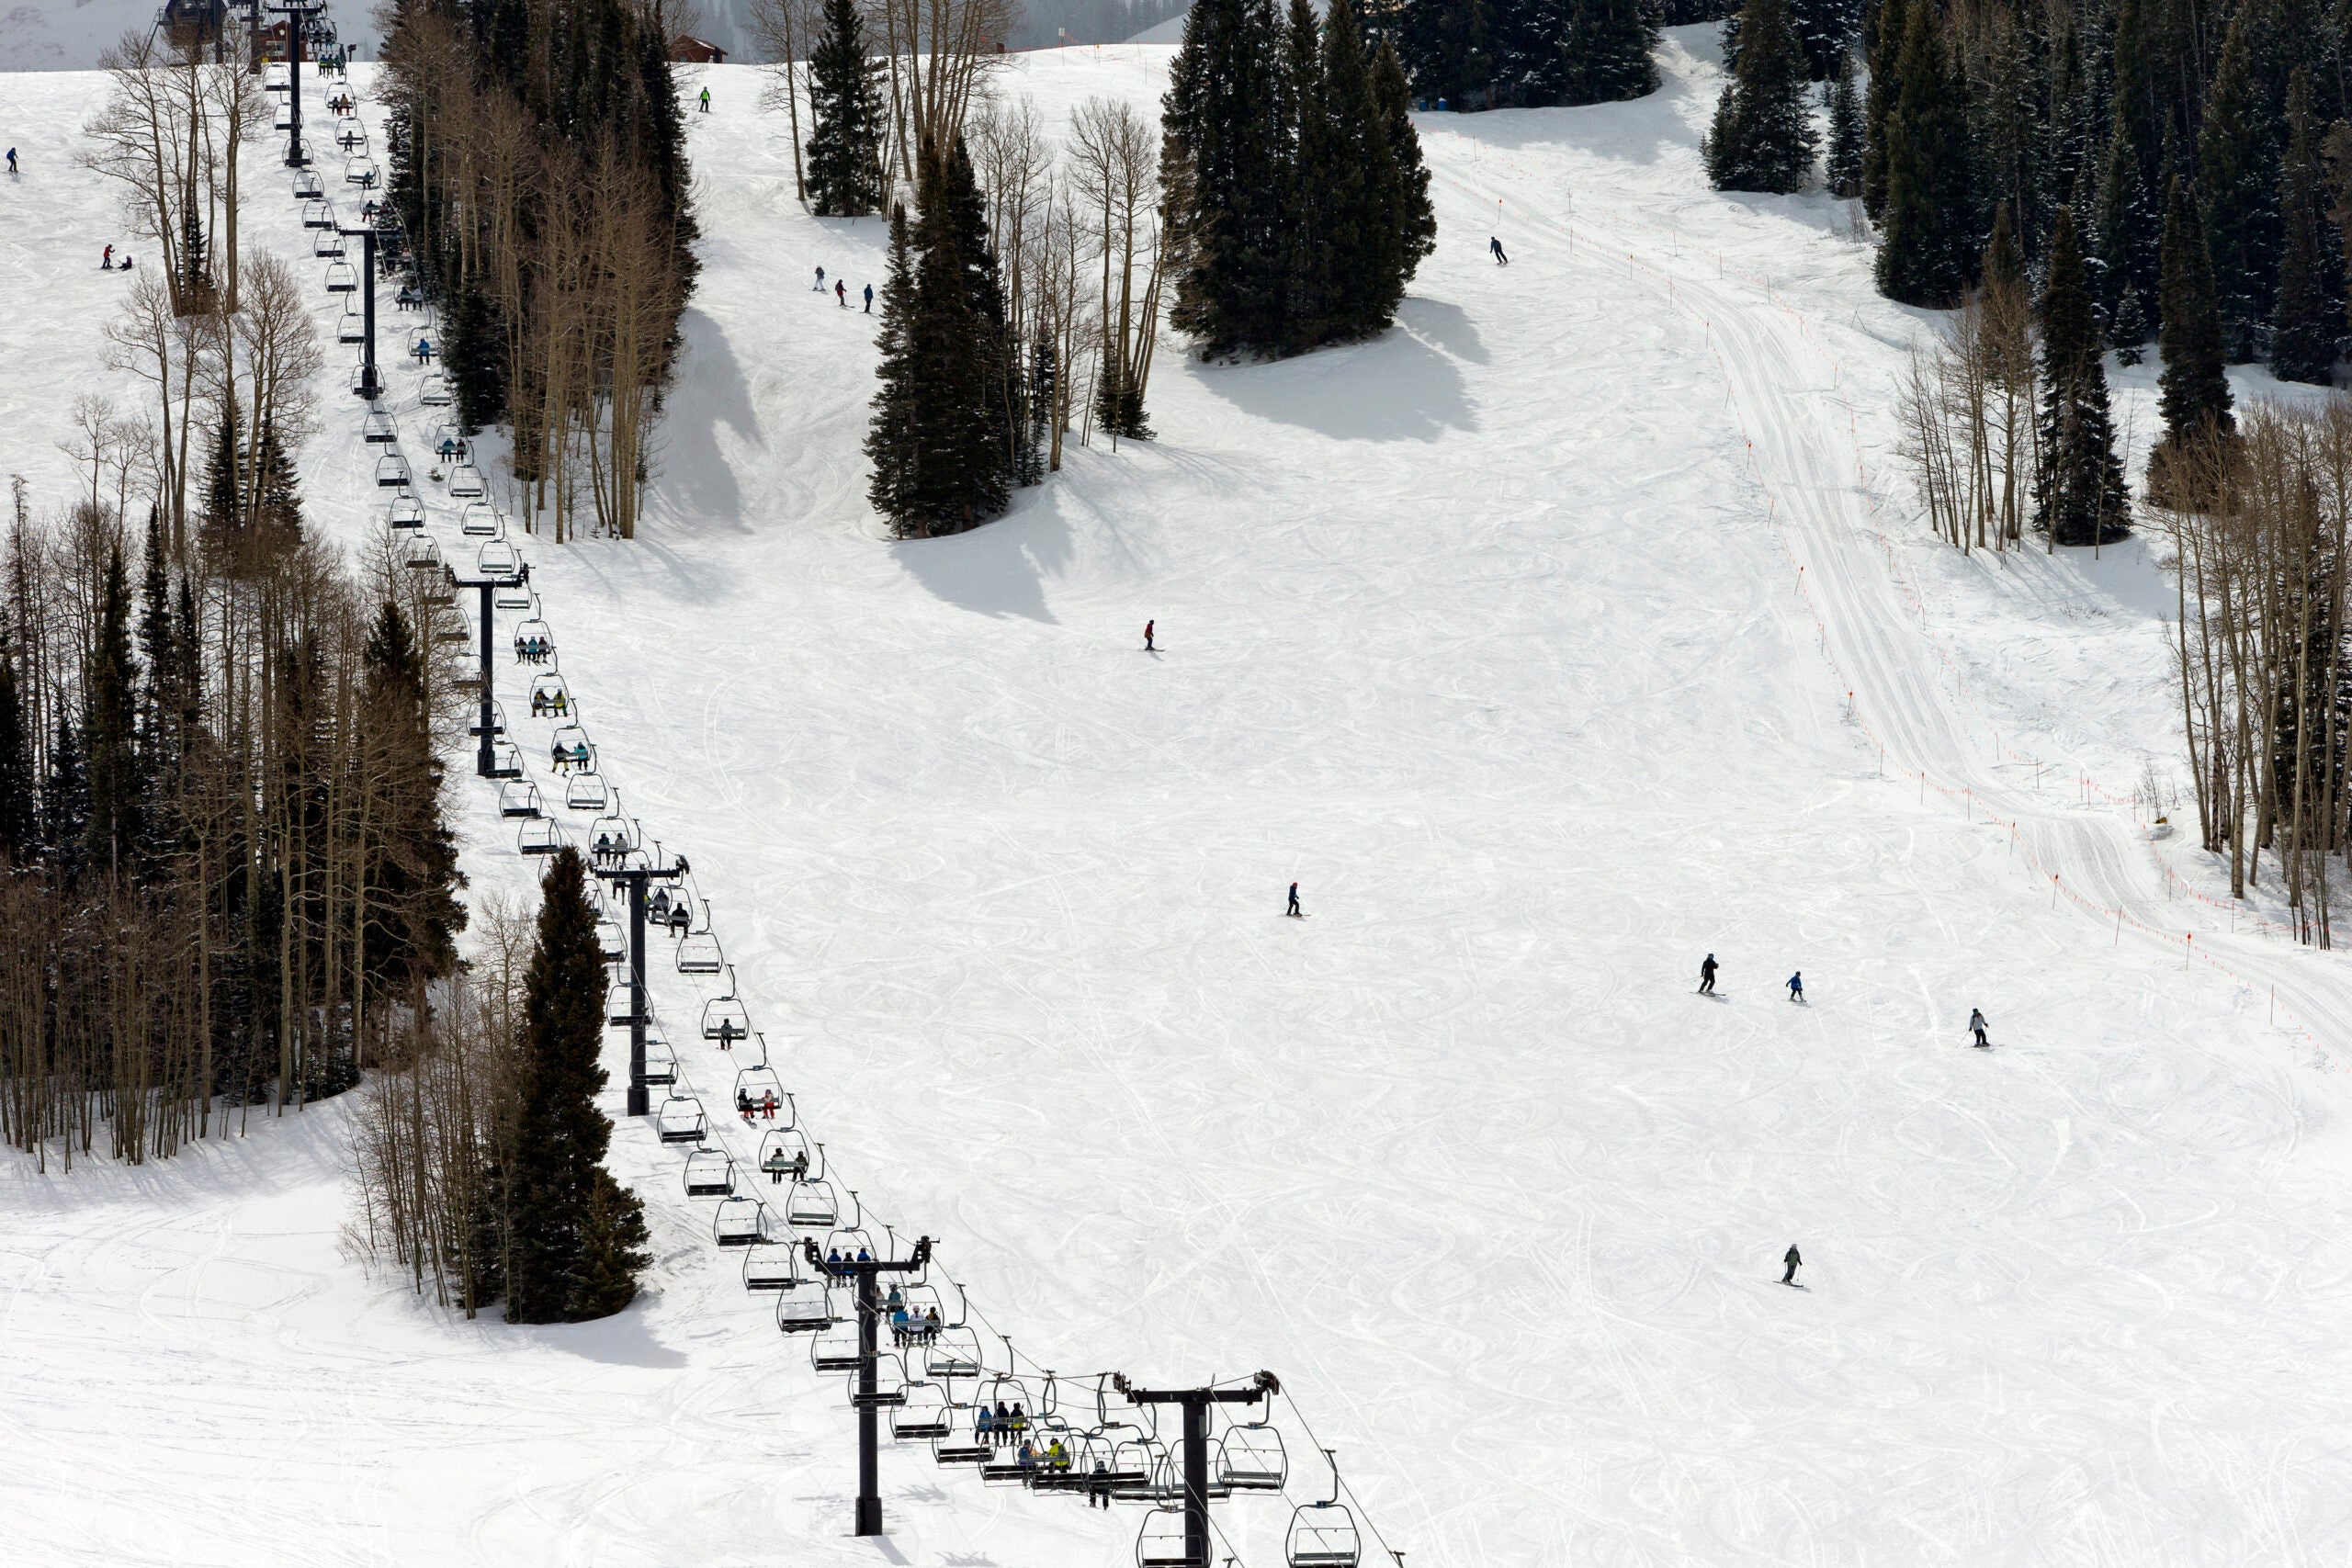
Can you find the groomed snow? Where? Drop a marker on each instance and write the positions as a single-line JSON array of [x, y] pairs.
[[1492, 635]]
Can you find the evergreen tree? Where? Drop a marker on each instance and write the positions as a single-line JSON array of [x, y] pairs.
[[224, 479], [2078, 492], [1607, 51], [2237, 161], [1321, 181], [278, 499], [1412, 224], [409, 898], [2129, 333], [19, 794], [844, 172], [473, 349], [893, 439], [1763, 137], [1928, 245], [2125, 272], [562, 1260], [2195, 386], [1825, 32], [1843, 164], [1444, 45], [1225, 242], [2307, 320], [66, 803], [1878, 104], [196, 272], [112, 834]]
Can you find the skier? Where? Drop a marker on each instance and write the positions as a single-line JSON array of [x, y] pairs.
[[1796, 987], [1495, 243], [106, 259], [1707, 976], [1792, 1260], [841, 294], [126, 262], [1976, 1026], [1148, 649], [819, 286], [12, 160], [1293, 908], [869, 298], [705, 100]]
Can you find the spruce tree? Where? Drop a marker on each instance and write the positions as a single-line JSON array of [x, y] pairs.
[[2306, 322], [66, 803], [2237, 164], [1878, 105], [412, 878], [1929, 242], [1763, 137], [1607, 51], [1220, 120], [1320, 181], [2195, 386], [977, 474], [2125, 280], [893, 441], [562, 1258], [224, 479], [1444, 45], [1843, 163], [2078, 491], [19, 793], [113, 832], [1412, 230], [844, 170], [1825, 32]]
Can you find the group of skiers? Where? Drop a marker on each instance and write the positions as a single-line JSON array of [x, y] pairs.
[[841, 291], [1795, 985], [107, 263]]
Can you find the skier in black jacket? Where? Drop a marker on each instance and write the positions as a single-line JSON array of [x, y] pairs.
[[1792, 1260], [1707, 976]]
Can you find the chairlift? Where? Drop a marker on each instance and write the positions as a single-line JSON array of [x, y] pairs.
[[698, 953], [812, 1205], [1162, 1542], [352, 136], [360, 172], [534, 639], [784, 1152], [352, 328], [514, 596], [889, 1385], [571, 751], [803, 1307], [1251, 1458], [756, 1088], [742, 1222], [680, 1120], [505, 762], [549, 697], [306, 185], [284, 118], [613, 836], [499, 558], [540, 836], [836, 1348], [421, 553], [955, 1353], [519, 798], [453, 629], [611, 941], [405, 512], [723, 1018], [585, 791], [773, 1268], [342, 278], [326, 244], [378, 430], [921, 1413], [848, 1240], [1323, 1535], [660, 1062], [392, 471], [434, 393], [319, 213], [710, 1173], [464, 479], [480, 521]]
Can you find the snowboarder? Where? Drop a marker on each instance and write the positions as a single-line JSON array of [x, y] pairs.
[[126, 262], [1792, 1260], [1293, 908], [819, 286], [1976, 1026], [1796, 987], [106, 259], [1148, 649], [869, 298], [1495, 243], [841, 294], [705, 100], [1707, 976]]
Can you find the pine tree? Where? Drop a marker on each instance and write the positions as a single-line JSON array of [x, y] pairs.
[[1843, 164], [224, 479], [1444, 44], [113, 834], [1930, 244], [1319, 180], [66, 803], [613, 1249], [1607, 51], [474, 355], [278, 499], [975, 476], [1878, 105], [1220, 116], [2195, 386], [893, 439], [2125, 278], [2078, 492], [1412, 224], [2237, 163], [2306, 322], [844, 174], [412, 878], [1763, 137], [2129, 333], [1825, 32], [561, 1259], [19, 793]]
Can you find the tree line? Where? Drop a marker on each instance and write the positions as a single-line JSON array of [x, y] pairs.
[[1484, 54], [537, 159]]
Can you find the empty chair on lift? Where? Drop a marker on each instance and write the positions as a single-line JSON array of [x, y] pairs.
[[520, 797], [421, 554], [1251, 1458], [392, 471], [464, 479], [405, 512], [812, 1205], [740, 1222], [611, 940], [326, 244], [585, 790], [540, 836], [680, 1120], [480, 521], [710, 1173], [434, 393], [1323, 1535], [342, 278], [514, 595], [496, 722], [377, 428], [506, 761], [319, 213], [351, 328], [306, 184], [660, 1062]]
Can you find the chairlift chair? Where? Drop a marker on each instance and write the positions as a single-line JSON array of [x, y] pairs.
[[921, 1413], [464, 479], [378, 429], [611, 941], [306, 185], [710, 1173], [405, 512], [453, 629], [326, 244], [1251, 1458], [572, 742], [421, 554], [1323, 1535], [802, 1307], [756, 1086], [519, 798], [480, 521], [551, 696], [534, 635], [680, 1120], [506, 761], [723, 1018], [284, 118], [954, 1354], [812, 1206], [784, 1153], [613, 836], [342, 278], [319, 213], [392, 471], [585, 791], [846, 1240], [352, 136], [434, 392], [497, 719], [360, 172], [540, 836], [514, 596], [661, 1063], [698, 954], [1162, 1543], [890, 1385], [352, 328], [836, 1348], [772, 1269], [499, 558]]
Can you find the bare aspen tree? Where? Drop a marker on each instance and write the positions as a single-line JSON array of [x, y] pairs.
[[786, 30]]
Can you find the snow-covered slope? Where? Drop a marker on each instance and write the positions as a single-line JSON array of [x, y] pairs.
[[1523, 639], [69, 35]]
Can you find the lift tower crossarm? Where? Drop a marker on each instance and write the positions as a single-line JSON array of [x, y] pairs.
[[1195, 1404]]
